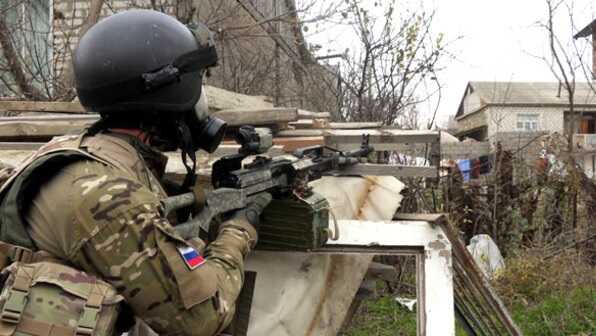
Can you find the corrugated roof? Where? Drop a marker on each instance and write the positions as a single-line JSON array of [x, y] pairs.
[[539, 93]]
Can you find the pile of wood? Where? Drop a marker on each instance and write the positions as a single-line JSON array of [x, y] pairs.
[[27, 125]]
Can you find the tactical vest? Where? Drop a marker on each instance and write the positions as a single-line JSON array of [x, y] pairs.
[[20, 188], [35, 281]]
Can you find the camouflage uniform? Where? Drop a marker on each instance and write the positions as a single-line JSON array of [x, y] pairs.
[[101, 213]]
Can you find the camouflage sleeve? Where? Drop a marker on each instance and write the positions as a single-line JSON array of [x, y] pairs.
[[168, 282]]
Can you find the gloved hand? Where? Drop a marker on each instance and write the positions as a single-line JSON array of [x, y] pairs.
[[253, 210], [247, 219]]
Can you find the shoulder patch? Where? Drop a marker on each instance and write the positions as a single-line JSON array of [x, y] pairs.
[[192, 258]]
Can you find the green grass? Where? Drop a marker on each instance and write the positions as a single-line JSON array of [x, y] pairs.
[[559, 314], [385, 317], [382, 317], [572, 313]]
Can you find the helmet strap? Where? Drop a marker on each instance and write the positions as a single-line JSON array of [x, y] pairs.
[[187, 148]]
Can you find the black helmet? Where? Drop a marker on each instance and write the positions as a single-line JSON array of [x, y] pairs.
[[141, 61], [145, 67]]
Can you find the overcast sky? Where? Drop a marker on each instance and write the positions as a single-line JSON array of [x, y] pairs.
[[498, 39]]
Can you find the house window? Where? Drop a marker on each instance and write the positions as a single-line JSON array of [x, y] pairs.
[[527, 122]]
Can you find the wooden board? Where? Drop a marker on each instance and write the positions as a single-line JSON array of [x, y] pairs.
[[237, 117], [382, 136], [218, 99], [311, 124], [291, 144], [303, 114], [44, 127], [34, 106], [301, 133], [25, 146], [477, 304], [398, 171]]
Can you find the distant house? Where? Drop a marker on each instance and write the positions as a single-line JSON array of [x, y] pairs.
[[489, 108]]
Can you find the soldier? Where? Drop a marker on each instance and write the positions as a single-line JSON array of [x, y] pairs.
[[81, 223]]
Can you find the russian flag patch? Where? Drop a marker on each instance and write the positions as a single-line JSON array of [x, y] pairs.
[[191, 257]]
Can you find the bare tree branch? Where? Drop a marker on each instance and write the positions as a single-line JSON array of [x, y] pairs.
[[14, 64]]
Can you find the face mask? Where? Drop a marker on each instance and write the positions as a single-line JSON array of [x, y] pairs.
[[207, 132]]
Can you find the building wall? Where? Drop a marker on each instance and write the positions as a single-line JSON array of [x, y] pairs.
[[247, 54], [471, 122], [504, 119], [472, 102]]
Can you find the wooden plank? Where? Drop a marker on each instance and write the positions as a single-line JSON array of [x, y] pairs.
[[355, 125], [41, 106], [222, 150], [301, 133], [369, 169], [303, 114], [220, 99], [229, 149], [302, 124], [24, 146], [310, 124], [291, 144], [381, 136], [237, 117], [43, 127], [27, 128], [474, 277]]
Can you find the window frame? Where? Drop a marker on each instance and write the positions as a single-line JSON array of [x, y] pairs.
[[527, 122]]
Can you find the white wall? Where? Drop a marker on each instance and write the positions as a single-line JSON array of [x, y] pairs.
[[504, 119], [471, 103]]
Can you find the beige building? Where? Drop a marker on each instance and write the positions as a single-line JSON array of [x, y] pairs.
[[490, 108]]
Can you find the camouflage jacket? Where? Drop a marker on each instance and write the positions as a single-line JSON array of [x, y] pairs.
[[102, 214]]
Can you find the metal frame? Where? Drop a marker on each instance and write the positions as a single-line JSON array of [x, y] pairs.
[[434, 272]]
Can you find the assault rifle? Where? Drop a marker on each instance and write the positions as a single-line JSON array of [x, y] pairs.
[[297, 218]]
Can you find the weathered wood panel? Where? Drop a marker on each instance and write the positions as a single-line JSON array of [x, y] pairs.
[[398, 171], [464, 150], [382, 136], [237, 117], [26, 128], [311, 124], [478, 304], [35, 106], [218, 99], [303, 114], [291, 144], [43, 127]]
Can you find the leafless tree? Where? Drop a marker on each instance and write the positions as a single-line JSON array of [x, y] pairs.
[[396, 57], [566, 62], [561, 65], [31, 66]]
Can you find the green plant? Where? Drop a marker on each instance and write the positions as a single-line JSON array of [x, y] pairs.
[[561, 313]]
